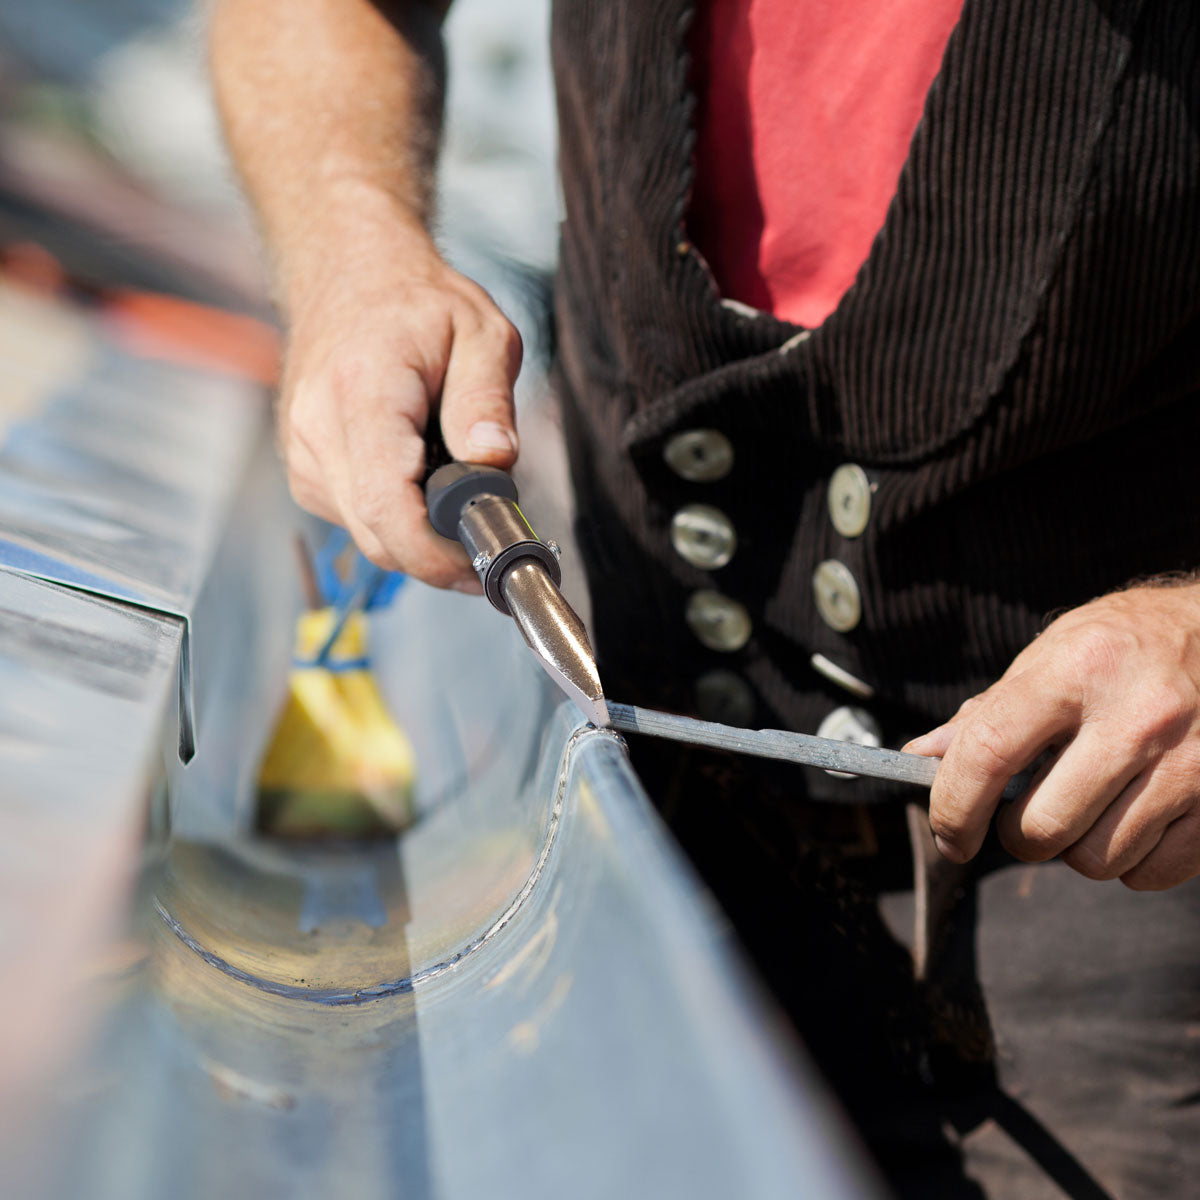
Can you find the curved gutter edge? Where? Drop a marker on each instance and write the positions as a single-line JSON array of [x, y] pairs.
[[405, 985]]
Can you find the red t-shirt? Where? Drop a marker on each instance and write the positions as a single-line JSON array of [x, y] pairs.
[[806, 111]]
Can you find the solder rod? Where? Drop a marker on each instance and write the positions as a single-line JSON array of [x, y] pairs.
[[872, 761]]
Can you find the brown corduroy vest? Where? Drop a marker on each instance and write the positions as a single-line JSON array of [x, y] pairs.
[[1016, 367]]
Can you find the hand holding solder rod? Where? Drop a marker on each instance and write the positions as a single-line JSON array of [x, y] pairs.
[[1114, 687], [519, 573]]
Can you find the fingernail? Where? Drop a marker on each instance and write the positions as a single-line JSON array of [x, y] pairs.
[[469, 587], [491, 435], [946, 850], [928, 743]]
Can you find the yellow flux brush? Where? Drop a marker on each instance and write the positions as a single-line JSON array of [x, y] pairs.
[[338, 764]]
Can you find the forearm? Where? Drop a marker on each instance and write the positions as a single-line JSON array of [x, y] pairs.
[[332, 110]]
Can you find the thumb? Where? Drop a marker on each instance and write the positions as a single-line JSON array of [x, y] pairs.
[[477, 417]]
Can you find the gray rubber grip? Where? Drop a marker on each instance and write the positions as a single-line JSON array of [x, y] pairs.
[[450, 487]]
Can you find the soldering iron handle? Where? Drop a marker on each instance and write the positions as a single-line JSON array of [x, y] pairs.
[[478, 506], [450, 488]]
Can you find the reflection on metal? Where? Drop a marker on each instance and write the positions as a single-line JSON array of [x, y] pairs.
[[119, 479], [84, 686], [525, 995]]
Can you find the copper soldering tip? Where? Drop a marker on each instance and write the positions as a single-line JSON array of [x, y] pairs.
[[553, 631]]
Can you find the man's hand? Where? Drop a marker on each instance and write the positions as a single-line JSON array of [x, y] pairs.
[[1113, 690], [332, 109], [376, 355]]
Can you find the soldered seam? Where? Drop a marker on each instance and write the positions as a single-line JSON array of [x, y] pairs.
[[399, 987]]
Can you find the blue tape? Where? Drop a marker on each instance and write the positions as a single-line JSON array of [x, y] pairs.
[[364, 584], [335, 666]]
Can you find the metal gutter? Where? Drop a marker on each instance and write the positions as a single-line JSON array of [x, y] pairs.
[[119, 481], [119, 556], [529, 995], [526, 995]]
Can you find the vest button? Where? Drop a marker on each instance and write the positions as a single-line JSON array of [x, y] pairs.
[[843, 678], [726, 697], [699, 455], [850, 725], [719, 622], [849, 500], [703, 536], [836, 594]]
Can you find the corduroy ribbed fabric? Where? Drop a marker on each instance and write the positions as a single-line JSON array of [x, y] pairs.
[[1016, 366]]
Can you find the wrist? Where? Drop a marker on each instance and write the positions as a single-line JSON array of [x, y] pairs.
[[357, 236]]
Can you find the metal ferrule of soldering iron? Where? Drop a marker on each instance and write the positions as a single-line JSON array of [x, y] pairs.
[[519, 572]]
